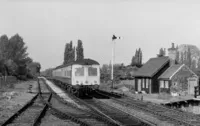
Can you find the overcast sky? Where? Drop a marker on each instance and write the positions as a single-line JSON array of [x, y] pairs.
[[149, 24]]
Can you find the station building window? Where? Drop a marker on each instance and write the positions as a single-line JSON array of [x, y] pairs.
[[147, 83], [166, 84], [161, 84], [143, 83]]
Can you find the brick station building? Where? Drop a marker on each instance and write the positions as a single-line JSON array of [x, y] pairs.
[[164, 75]]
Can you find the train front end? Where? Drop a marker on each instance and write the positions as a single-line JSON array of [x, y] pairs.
[[86, 77]]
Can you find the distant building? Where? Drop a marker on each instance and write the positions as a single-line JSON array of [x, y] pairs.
[[162, 74]]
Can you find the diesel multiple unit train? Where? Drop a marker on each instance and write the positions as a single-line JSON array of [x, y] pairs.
[[79, 77]]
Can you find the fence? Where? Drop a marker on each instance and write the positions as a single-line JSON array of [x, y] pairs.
[[7, 81]]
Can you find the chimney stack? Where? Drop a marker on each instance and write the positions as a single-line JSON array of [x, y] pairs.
[[172, 54]]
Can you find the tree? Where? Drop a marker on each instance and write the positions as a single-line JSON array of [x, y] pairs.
[[189, 58], [16, 49], [66, 53], [161, 52], [177, 57], [137, 59], [13, 53], [11, 66], [3, 44], [79, 51], [69, 54], [133, 61], [47, 72], [182, 57], [34, 69]]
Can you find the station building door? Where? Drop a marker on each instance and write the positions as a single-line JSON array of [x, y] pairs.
[[192, 82]]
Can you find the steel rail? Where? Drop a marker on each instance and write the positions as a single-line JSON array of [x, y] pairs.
[[15, 115], [60, 114], [96, 113], [144, 121], [165, 108], [37, 121], [180, 121]]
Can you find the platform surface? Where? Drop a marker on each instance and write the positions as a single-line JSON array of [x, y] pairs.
[[60, 92]]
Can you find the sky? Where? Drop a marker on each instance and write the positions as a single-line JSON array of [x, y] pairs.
[[47, 25]]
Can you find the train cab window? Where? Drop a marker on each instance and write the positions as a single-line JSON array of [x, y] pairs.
[[79, 71], [92, 71]]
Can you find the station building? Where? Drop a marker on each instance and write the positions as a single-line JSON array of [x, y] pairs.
[[163, 75]]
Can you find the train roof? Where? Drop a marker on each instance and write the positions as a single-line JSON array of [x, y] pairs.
[[79, 62]]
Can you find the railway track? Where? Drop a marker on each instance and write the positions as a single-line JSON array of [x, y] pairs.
[[111, 113], [161, 112], [154, 106], [31, 113], [55, 109], [107, 113], [88, 116], [164, 114]]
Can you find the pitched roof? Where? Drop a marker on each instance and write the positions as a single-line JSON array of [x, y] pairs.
[[171, 71], [80, 62], [152, 66]]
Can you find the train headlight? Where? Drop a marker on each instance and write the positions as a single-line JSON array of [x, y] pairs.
[[86, 82], [95, 81], [77, 82]]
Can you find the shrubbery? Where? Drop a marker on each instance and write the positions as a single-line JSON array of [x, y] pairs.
[[14, 59]]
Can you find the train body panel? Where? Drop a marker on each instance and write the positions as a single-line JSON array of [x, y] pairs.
[[80, 75], [85, 75]]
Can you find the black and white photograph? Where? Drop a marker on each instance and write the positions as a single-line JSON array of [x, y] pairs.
[[100, 63]]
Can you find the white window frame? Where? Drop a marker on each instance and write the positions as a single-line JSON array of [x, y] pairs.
[[166, 84], [147, 83], [162, 84], [143, 83]]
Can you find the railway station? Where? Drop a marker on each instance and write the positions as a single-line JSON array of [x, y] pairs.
[[99, 63]]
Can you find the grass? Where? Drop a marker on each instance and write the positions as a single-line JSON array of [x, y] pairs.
[[117, 86]]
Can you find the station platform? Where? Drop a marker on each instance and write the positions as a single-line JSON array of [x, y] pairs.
[[59, 91], [178, 101], [154, 98]]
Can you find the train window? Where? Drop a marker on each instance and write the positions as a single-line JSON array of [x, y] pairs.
[[68, 73], [79, 71], [92, 71]]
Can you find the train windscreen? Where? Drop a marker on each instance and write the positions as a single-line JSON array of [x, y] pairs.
[[79, 71], [92, 71]]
